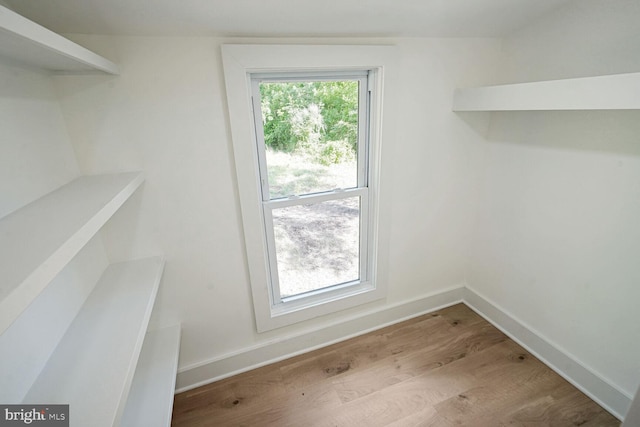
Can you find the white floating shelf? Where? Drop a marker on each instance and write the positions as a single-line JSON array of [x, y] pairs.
[[93, 365], [38, 240], [150, 400], [611, 92], [26, 42]]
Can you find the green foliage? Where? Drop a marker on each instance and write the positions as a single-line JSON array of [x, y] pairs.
[[319, 119], [340, 110], [335, 152]]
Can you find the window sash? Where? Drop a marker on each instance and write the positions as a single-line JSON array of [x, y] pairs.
[[300, 76], [362, 154], [363, 254]]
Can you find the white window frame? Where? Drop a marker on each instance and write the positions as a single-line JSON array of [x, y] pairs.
[[241, 62], [361, 191]]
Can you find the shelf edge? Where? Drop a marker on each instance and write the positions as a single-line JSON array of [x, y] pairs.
[[607, 92], [19, 26], [13, 304], [157, 370]]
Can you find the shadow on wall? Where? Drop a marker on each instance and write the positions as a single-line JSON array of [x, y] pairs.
[[479, 121], [598, 130]]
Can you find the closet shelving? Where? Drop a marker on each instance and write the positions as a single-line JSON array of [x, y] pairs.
[[607, 92], [38, 240], [150, 400], [93, 365], [97, 360], [107, 366], [24, 42]]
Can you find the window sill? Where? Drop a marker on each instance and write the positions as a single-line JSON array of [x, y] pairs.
[[309, 307]]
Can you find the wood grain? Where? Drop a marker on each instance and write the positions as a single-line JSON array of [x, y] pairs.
[[448, 368]]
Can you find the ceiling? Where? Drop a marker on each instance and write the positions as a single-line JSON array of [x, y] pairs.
[[411, 18]]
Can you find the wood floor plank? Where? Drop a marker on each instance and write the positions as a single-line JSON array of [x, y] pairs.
[[247, 391], [556, 407], [447, 348], [447, 368], [426, 418], [497, 393]]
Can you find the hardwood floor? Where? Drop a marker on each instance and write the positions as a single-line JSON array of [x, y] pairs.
[[448, 368]]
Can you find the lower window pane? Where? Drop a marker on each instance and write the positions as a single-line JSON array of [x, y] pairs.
[[317, 246]]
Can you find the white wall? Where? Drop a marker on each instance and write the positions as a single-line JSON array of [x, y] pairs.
[[35, 154], [583, 38], [633, 416], [166, 114], [35, 158], [558, 237]]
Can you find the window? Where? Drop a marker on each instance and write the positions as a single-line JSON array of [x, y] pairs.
[[312, 143], [306, 129]]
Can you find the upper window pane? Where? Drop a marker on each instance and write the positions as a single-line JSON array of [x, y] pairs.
[[310, 135]]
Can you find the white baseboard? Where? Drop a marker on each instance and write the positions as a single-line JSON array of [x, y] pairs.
[[203, 373], [585, 379]]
